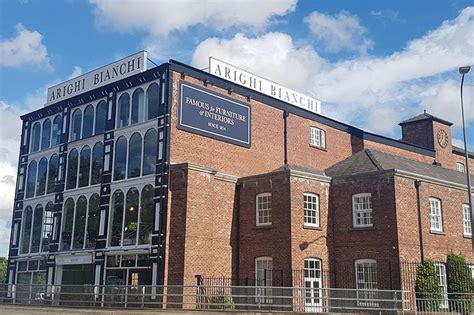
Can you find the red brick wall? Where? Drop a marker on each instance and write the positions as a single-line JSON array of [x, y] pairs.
[[396, 151], [419, 133]]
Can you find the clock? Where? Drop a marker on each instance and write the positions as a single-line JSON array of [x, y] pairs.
[[443, 138]]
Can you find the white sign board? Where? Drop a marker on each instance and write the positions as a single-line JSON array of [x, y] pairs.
[[259, 84], [76, 259], [96, 78]]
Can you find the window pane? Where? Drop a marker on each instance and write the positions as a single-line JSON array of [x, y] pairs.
[[53, 173], [120, 162], [131, 218], [88, 121], [149, 152], [46, 134], [42, 170], [68, 221], [134, 155], [100, 117], [31, 180], [93, 221], [264, 209], [57, 128], [117, 218], [37, 224], [35, 137], [80, 223], [25, 237], [123, 110], [97, 163], [84, 166], [138, 106], [311, 210], [146, 215], [153, 100], [72, 169], [47, 234], [76, 125]]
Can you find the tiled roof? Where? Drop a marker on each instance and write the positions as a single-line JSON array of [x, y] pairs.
[[370, 161], [425, 116]]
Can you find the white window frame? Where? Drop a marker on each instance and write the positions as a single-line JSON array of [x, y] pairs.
[[442, 283], [466, 220], [263, 279], [311, 206], [365, 212], [366, 287], [260, 210], [436, 215], [460, 167], [314, 293], [317, 137]]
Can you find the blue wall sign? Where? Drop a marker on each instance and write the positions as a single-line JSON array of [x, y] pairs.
[[209, 114]]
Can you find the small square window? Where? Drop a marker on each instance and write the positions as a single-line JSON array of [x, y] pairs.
[[460, 167], [318, 138]]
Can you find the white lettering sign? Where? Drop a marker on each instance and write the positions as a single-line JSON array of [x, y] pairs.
[[259, 84], [76, 259], [96, 78]]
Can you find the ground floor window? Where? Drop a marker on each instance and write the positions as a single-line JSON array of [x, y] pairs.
[[31, 281], [366, 282], [313, 285], [263, 279], [443, 283]]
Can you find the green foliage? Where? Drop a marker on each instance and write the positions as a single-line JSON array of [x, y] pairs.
[[427, 288], [221, 301], [3, 269], [460, 284]]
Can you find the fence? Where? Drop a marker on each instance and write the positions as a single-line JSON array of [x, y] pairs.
[[251, 298]]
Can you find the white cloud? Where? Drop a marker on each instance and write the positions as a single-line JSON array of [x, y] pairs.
[[162, 17], [374, 92], [26, 49], [340, 32]]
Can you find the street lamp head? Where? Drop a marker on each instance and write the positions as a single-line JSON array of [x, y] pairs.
[[464, 70]]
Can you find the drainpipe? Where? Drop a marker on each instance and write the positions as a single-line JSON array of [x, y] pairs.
[[285, 135], [420, 227]]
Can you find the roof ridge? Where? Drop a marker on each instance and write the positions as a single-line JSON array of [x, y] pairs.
[[373, 159]]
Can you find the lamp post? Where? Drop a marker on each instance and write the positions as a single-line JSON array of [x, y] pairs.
[[463, 71]]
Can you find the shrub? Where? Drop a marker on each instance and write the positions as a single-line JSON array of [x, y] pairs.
[[221, 301], [460, 284], [428, 292]]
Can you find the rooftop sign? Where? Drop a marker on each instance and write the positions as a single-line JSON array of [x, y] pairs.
[[96, 78], [259, 84]]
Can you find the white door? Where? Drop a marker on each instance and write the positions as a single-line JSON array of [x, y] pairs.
[[313, 285]]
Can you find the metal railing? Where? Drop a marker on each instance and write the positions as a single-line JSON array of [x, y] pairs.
[[449, 303], [251, 298]]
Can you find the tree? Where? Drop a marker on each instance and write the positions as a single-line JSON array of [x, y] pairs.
[[460, 284], [428, 292], [3, 269]]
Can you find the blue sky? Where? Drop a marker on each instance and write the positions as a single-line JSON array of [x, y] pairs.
[[371, 63]]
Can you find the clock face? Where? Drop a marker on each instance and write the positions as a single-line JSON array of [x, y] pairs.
[[442, 138]]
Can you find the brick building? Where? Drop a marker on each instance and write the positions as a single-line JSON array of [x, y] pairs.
[[172, 172]]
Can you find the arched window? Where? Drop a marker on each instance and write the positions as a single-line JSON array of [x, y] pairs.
[[53, 173], [131, 218], [47, 234], [26, 232], [72, 169], [120, 163], [80, 223], [37, 225], [35, 137], [123, 110], [42, 172], [97, 163], [100, 117], [76, 122], [138, 106], [57, 129], [146, 215], [93, 221], [68, 221], [134, 155], [46, 134], [85, 165], [153, 101], [149, 152], [88, 124], [31, 180], [117, 218]]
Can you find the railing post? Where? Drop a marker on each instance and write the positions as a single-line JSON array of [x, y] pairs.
[[415, 306]]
